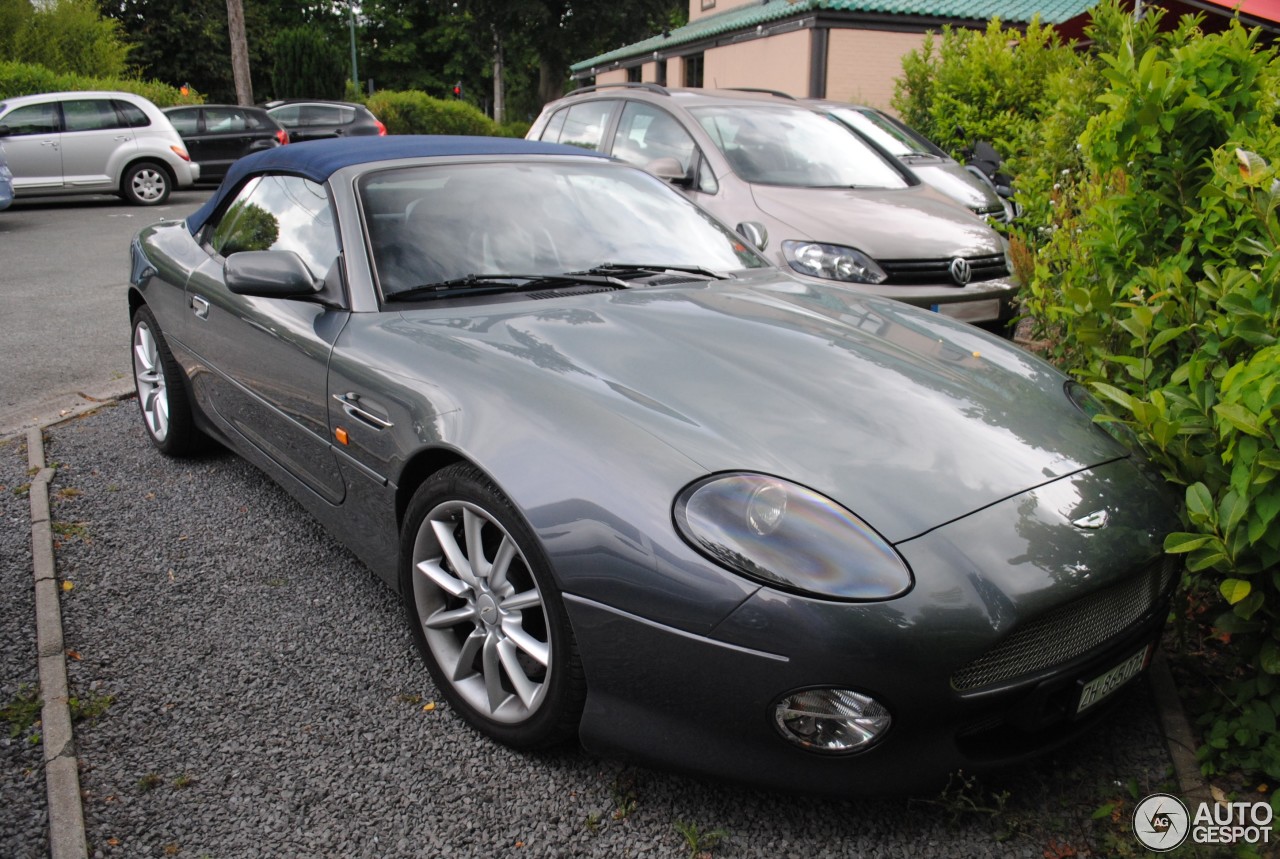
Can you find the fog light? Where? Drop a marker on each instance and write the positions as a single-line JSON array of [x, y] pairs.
[[831, 720]]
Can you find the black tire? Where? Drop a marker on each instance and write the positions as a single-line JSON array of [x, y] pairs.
[[486, 614], [162, 395], [146, 183]]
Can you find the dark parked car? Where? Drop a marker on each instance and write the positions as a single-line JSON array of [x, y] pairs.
[[218, 134], [638, 487], [317, 120]]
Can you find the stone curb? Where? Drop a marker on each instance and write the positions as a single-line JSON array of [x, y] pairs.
[[66, 812], [61, 767]]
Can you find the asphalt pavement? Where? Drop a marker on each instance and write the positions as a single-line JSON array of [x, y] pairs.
[[245, 688], [64, 269]]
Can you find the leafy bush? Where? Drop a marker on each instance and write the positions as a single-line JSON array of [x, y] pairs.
[[68, 36], [1157, 281], [26, 79], [413, 112], [981, 85]]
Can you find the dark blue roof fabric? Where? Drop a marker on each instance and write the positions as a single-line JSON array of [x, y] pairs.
[[319, 159]]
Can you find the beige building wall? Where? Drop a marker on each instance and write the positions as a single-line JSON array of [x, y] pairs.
[[615, 76], [778, 62], [696, 11], [862, 65]]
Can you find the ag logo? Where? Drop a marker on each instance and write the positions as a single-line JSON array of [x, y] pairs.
[[1161, 822]]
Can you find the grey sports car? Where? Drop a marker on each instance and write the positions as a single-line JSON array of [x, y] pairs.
[[639, 487]]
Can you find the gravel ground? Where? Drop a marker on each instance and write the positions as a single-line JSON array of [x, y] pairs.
[[259, 696]]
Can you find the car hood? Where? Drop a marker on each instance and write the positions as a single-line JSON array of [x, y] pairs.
[[905, 418], [908, 223]]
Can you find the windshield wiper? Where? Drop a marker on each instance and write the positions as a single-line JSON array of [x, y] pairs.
[[503, 282], [623, 269]]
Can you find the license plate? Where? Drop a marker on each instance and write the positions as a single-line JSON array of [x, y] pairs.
[[1103, 685], [970, 311]]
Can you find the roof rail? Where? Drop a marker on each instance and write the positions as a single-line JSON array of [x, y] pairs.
[[772, 92], [651, 87]]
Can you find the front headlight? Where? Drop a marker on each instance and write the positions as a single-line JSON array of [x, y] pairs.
[[832, 262], [789, 537]]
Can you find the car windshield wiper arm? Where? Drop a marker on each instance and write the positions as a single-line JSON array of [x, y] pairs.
[[506, 282], [637, 269]]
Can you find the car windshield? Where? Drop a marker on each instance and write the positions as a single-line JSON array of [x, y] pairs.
[[793, 146], [439, 224], [881, 130]]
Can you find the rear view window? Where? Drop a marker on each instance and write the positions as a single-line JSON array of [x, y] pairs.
[[132, 114], [222, 120], [327, 114]]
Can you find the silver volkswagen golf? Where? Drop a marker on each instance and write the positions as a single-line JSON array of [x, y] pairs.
[[816, 199], [93, 143]]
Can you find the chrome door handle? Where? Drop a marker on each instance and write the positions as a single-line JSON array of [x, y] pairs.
[[200, 307], [350, 405]]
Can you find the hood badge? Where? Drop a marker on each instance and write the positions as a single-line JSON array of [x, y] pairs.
[[1093, 521], [960, 270]]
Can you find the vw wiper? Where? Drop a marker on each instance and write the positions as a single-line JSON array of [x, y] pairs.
[[504, 282], [637, 269]]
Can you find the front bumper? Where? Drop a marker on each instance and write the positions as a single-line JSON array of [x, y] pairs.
[[704, 703]]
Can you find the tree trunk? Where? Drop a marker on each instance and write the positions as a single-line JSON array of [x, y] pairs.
[[550, 80], [239, 52], [499, 85]]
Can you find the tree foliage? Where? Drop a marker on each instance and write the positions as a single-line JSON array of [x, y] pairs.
[[307, 64], [66, 36]]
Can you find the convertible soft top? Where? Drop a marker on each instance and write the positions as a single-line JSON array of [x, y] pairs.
[[319, 159]]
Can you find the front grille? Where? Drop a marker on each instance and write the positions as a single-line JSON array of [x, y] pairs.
[[1070, 630], [910, 272]]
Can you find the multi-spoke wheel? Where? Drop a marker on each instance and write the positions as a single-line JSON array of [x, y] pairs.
[[146, 184], [161, 396], [486, 613]]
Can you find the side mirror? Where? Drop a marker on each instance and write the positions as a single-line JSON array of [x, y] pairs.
[[754, 232], [270, 274], [668, 169]]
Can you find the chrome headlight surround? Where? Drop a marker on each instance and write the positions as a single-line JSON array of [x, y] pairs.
[[789, 537], [832, 262]]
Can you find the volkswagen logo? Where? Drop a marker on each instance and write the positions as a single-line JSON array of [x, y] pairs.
[[960, 271]]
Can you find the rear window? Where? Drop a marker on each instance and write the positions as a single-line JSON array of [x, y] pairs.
[[185, 121], [90, 115], [132, 115]]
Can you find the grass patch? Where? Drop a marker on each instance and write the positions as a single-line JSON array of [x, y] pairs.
[[22, 711]]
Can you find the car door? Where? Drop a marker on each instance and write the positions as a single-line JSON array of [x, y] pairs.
[[34, 146], [228, 137], [95, 142], [261, 363]]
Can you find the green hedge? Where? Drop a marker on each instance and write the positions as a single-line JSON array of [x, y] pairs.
[[26, 79], [413, 112]]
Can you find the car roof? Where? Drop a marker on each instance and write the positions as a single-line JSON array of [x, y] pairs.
[[76, 94], [317, 160], [281, 102], [198, 106], [684, 96]]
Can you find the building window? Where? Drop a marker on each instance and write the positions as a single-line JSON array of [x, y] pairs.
[[662, 73], [693, 70], [633, 75], [708, 4]]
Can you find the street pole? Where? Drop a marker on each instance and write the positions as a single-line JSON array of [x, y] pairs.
[[355, 74]]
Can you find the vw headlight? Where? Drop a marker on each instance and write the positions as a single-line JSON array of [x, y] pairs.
[[790, 537], [832, 262]]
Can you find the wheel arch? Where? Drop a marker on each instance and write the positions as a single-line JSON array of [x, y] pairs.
[[419, 469], [146, 159]]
